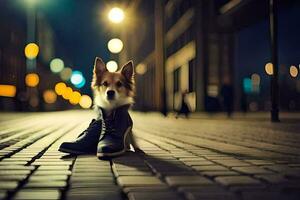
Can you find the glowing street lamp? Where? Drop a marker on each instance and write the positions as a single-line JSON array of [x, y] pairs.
[[116, 15], [112, 66], [115, 45], [31, 51]]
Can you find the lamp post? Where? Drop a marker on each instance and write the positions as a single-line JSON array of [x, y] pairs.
[[273, 5]]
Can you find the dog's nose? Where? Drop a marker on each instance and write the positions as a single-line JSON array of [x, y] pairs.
[[110, 94]]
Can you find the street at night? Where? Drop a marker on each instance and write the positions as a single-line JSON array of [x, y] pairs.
[[149, 100]]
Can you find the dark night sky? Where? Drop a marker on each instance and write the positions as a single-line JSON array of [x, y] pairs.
[[79, 32]]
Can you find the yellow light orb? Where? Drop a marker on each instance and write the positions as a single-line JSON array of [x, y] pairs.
[[115, 45], [66, 74], [57, 65], [49, 96], [141, 69], [116, 15], [31, 50], [85, 101], [32, 80], [67, 93], [269, 68], [293, 71], [112, 66], [60, 88], [75, 98]]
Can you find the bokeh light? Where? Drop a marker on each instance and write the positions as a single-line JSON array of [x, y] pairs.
[[85, 101], [293, 71], [56, 65], [67, 93], [60, 88], [141, 69], [112, 66], [75, 98], [255, 78], [269, 68], [32, 80], [49, 96], [77, 79], [116, 15], [31, 50], [7, 90], [66, 74], [115, 45]]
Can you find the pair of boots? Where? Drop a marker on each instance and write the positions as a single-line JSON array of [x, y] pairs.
[[107, 136]]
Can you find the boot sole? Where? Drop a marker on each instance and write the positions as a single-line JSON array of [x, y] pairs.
[[118, 153]]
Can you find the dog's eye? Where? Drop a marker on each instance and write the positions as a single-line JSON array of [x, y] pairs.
[[119, 84], [105, 83]]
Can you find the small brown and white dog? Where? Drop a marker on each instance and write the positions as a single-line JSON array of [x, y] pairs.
[[113, 89]]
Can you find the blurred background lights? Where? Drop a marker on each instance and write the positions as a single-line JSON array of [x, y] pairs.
[[49, 96], [116, 15], [269, 68], [7, 90], [31, 50], [60, 88], [67, 93], [32, 80], [255, 79], [56, 65], [85, 101], [75, 98], [81, 84], [115, 45], [141, 69], [293, 71], [112, 66], [247, 85], [77, 79], [66, 74]]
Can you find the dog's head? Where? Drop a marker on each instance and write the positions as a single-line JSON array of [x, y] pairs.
[[112, 89]]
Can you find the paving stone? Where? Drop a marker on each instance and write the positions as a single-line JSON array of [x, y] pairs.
[[232, 163], [16, 167], [34, 194], [15, 172], [210, 196], [132, 173], [210, 168], [52, 172], [236, 180], [273, 178], [260, 162], [146, 189], [102, 195], [92, 179], [202, 189], [153, 196], [126, 181], [219, 173], [47, 178], [54, 167], [46, 184], [252, 170], [187, 180], [198, 163], [12, 177], [8, 185]]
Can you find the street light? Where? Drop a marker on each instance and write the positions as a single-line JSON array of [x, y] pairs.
[[31, 51], [116, 15], [115, 45]]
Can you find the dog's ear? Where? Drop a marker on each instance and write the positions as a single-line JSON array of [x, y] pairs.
[[127, 70], [99, 67]]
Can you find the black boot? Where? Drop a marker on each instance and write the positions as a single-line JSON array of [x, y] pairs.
[[116, 127], [87, 141]]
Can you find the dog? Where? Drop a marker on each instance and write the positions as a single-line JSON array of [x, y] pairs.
[[113, 89]]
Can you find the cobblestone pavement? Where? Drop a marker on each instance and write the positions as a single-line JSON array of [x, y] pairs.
[[179, 159]]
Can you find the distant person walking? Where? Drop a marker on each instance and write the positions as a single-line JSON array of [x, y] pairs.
[[227, 96], [184, 107]]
